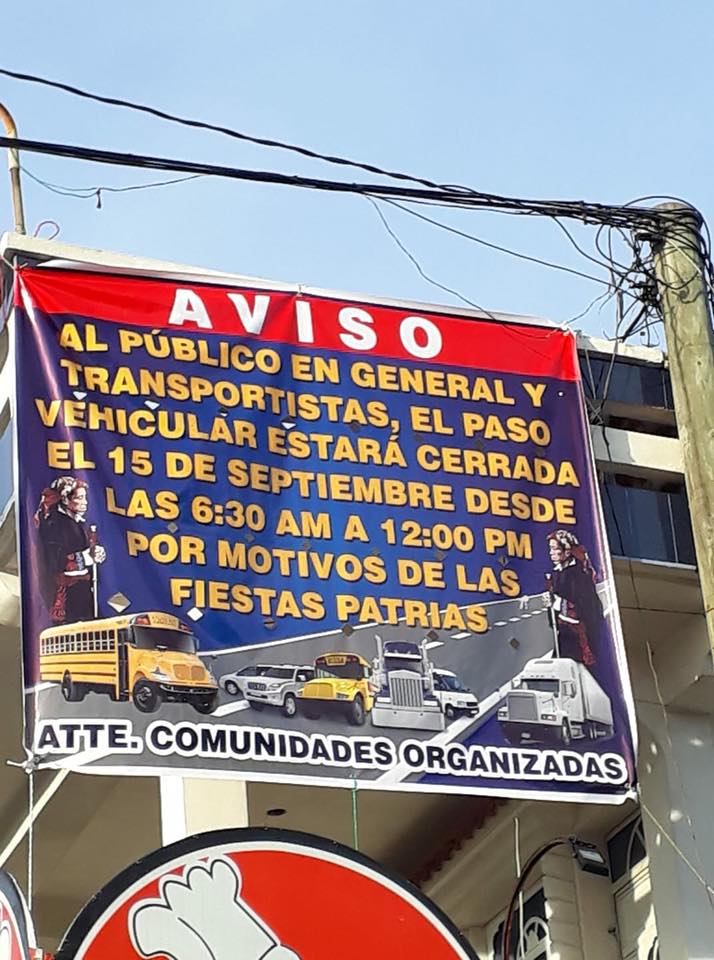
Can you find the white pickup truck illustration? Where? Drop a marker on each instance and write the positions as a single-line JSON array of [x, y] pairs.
[[278, 687], [555, 700]]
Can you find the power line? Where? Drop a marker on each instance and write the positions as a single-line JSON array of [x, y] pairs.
[[513, 331], [496, 246], [89, 193], [216, 128], [589, 212], [646, 224], [652, 220], [416, 263]]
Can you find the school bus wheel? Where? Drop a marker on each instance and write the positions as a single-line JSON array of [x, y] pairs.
[[71, 691], [146, 696], [355, 711], [206, 704]]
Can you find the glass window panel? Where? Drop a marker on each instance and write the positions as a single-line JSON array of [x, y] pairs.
[[637, 384], [534, 907], [682, 527], [647, 522], [626, 849]]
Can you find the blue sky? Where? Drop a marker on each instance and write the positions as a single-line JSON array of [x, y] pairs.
[[603, 101]]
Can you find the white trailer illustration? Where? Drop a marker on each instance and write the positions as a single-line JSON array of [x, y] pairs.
[[555, 700], [404, 677]]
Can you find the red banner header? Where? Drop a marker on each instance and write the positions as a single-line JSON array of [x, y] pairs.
[[401, 333]]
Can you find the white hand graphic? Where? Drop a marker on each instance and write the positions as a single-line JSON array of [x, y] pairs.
[[202, 917]]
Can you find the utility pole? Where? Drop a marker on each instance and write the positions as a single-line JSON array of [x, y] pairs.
[[690, 348]]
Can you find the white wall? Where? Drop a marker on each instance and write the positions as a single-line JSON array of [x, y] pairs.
[[677, 782]]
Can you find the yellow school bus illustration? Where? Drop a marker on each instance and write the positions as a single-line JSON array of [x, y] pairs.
[[147, 658], [342, 681]]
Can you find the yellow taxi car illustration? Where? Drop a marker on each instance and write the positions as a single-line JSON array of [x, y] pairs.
[[342, 682]]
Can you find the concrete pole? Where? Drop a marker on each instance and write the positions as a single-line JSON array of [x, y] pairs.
[[193, 805], [690, 348]]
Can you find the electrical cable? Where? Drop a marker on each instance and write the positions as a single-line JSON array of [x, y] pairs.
[[217, 128], [89, 193], [495, 246], [604, 263], [642, 217], [513, 331], [649, 225], [680, 853], [675, 761], [418, 266]]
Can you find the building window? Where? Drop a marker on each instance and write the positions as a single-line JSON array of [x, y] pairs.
[[632, 892], [626, 381], [534, 943], [626, 849], [647, 520]]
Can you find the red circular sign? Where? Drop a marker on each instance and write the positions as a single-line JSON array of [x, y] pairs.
[[17, 935], [260, 895]]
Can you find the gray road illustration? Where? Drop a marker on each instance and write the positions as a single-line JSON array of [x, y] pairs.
[[518, 631]]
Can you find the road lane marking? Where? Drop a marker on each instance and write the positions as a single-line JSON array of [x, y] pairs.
[[433, 644], [40, 686], [227, 708], [266, 644], [459, 636]]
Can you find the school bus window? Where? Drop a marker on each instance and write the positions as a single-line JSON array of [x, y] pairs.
[[345, 671], [156, 638]]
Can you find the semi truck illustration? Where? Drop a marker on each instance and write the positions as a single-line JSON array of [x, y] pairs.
[[406, 685], [555, 700]]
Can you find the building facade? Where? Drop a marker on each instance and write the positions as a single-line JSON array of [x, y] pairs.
[[464, 852]]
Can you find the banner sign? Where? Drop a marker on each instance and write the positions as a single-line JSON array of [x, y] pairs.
[[260, 895], [288, 536]]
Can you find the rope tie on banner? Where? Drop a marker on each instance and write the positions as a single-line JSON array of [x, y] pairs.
[[355, 815]]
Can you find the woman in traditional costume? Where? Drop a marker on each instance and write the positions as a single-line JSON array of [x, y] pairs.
[[573, 598], [68, 551]]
